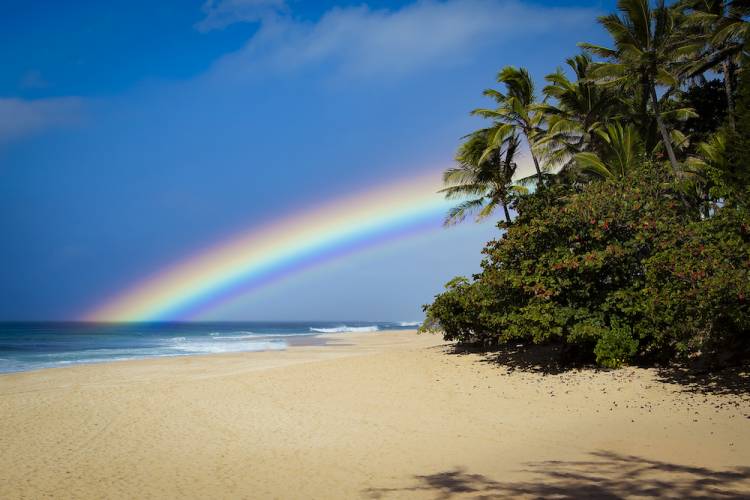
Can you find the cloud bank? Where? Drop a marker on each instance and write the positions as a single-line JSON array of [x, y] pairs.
[[365, 42]]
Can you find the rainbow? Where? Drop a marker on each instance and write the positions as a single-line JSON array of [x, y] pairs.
[[286, 246]]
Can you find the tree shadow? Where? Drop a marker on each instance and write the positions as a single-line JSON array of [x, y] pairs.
[[731, 381], [606, 475], [553, 359], [547, 359]]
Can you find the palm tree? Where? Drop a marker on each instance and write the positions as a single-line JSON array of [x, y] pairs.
[[650, 49], [515, 114], [705, 167], [622, 152], [487, 180], [576, 110], [722, 25]]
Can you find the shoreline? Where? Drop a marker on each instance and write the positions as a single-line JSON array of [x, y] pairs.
[[293, 341], [369, 415]]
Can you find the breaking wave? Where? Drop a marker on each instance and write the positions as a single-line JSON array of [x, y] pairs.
[[345, 329]]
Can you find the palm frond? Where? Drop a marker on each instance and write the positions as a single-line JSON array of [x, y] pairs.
[[462, 210]]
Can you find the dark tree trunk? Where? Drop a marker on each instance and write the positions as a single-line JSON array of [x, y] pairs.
[[536, 162], [726, 68], [707, 205], [663, 130], [536, 166], [507, 213]]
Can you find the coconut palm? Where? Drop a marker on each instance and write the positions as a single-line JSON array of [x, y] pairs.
[[622, 152], [574, 112], [706, 167], [515, 114], [485, 179], [650, 51], [722, 25]]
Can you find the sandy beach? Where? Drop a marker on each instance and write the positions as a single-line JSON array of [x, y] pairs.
[[386, 415]]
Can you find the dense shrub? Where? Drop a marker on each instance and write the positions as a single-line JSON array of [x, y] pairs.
[[698, 284], [459, 309], [616, 270], [615, 346]]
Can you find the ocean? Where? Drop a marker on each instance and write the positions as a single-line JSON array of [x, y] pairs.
[[35, 345]]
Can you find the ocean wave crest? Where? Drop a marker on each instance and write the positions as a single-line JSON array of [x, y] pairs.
[[345, 329], [237, 337], [236, 334], [220, 347], [410, 323]]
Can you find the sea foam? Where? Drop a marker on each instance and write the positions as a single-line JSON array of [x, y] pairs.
[[410, 323], [345, 329], [214, 347]]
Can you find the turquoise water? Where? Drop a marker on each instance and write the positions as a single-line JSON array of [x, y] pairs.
[[31, 346]]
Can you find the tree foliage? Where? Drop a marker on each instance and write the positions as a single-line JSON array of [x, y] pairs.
[[618, 270], [635, 244]]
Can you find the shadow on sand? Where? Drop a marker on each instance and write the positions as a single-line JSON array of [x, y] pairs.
[[544, 359], [735, 380], [551, 360], [605, 475]]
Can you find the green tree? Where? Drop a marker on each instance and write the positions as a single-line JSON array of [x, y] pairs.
[[575, 111], [486, 179], [516, 112], [707, 166], [736, 177], [708, 100], [570, 270], [723, 27], [614, 271], [625, 259], [650, 50], [622, 153], [698, 285]]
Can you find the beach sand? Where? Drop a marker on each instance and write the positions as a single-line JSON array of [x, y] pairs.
[[386, 415]]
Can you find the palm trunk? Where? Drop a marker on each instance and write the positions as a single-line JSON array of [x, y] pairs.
[[533, 157], [536, 166], [645, 96], [667, 144], [727, 70], [507, 213], [707, 201], [663, 130]]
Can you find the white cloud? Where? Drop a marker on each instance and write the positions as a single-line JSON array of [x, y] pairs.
[[362, 42], [222, 13], [20, 117]]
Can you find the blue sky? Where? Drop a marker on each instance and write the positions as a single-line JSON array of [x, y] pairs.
[[133, 133]]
